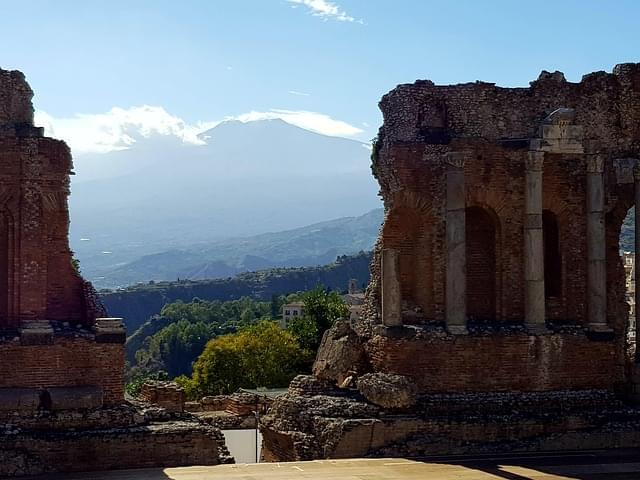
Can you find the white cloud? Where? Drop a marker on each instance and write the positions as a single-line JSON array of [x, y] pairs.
[[119, 128], [326, 10], [314, 121], [300, 94]]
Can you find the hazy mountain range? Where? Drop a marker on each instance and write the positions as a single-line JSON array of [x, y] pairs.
[[163, 209], [312, 245]]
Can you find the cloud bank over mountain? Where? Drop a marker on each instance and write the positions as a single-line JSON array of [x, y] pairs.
[[120, 128]]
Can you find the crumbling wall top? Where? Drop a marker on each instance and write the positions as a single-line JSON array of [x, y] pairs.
[[15, 99], [606, 104]]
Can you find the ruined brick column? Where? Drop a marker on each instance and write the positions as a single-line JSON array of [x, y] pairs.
[[534, 308], [391, 296], [456, 287], [596, 246]]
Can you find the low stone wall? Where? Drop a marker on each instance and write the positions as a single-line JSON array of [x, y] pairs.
[[307, 427], [213, 403], [245, 404], [240, 403], [168, 395], [68, 361], [131, 435], [156, 445]]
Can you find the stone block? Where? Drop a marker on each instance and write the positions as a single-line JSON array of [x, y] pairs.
[[25, 400], [388, 390], [624, 170], [75, 398], [110, 330], [193, 406], [341, 353], [36, 333]]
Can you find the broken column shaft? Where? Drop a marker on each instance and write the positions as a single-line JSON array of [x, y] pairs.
[[534, 307], [456, 286], [596, 247]]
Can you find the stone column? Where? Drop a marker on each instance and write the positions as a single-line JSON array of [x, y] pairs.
[[391, 295], [636, 178], [596, 246], [456, 287], [534, 308]]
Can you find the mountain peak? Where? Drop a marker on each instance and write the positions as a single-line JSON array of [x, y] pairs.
[[271, 128], [229, 127]]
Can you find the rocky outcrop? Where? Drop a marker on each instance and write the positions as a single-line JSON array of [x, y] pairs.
[[341, 354], [388, 390]]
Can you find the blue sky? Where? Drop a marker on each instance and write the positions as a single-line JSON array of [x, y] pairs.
[[203, 61]]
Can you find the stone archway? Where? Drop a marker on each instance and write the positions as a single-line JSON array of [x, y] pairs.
[[481, 236]]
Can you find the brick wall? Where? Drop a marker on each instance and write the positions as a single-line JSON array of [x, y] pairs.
[[516, 362], [422, 123], [68, 362]]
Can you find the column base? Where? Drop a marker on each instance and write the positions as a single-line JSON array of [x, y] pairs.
[[457, 330], [537, 329]]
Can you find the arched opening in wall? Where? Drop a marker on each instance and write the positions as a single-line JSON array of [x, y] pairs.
[[5, 227], [552, 255], [481, 228], [405, 231]]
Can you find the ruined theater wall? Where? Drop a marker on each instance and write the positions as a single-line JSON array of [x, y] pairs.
[[414, 226], [68, 362], [423, 122], [516, 362], [40, 280], [606, 105]]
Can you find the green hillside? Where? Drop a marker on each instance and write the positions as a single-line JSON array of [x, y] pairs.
[[136, 304]]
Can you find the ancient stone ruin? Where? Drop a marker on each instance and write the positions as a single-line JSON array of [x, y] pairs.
[[62, 403], [48, 313], [496, 318]]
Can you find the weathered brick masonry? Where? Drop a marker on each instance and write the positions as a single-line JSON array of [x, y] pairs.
[[495, 318], [496, 133], [515, 362], [49, 336], [74, 362]]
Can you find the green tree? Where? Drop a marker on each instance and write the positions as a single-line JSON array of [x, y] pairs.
[[262, 355], [189, 326], [321, 309], [306, 332]]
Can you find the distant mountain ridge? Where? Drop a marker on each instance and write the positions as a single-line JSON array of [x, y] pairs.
[[312, 245]]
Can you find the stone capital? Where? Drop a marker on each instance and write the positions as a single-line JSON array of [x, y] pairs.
[[534, 161], [595, 163], [455, 160]]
